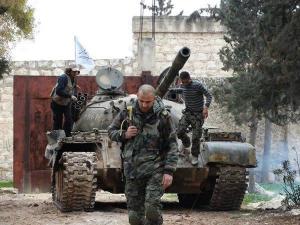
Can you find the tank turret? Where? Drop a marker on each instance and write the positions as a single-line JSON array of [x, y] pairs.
[[100, 111]]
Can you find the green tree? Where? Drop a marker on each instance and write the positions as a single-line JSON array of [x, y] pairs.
[[279, 28], [16, 22], [162, 7], [239, 93], [231, 94], [262, 52], [263, 44]]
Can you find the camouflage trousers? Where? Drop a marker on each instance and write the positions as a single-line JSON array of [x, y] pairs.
[[196, 121], [143, 200]]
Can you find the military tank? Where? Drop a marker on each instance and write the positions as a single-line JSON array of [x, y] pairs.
[[88, 160]]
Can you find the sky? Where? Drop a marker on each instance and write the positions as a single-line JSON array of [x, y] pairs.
[[103, 27]]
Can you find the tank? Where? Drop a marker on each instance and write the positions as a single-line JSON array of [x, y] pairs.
[[89, 161]]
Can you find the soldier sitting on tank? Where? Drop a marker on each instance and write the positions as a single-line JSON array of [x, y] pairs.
[[62, 96], [194, 114], [149, 154]]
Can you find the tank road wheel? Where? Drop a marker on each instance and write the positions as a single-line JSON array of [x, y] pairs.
[[75, 183], [197, 200], [229, 189]]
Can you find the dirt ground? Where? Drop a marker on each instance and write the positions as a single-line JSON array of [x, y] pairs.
[[34, 209]]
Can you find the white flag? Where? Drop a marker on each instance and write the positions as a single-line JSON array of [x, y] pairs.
[[82, 57]]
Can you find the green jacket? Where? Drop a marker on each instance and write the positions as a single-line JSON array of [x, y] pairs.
[[154, 149]]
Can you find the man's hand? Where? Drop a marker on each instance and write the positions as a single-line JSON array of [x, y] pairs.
[[131, 132], [74, 98], [77, 86], [167, 180], [205, 112]]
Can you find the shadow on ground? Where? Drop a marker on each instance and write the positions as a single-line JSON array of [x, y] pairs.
[[109, 206]]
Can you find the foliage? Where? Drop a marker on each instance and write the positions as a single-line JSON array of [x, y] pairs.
[[257, 197], [208, 13], [290, 188], [170, 197], [16, 22], [239, 93], [4, 66], [254, 197], [262, 52], [279, 27], [274, 187], [233, 94], [162, 7], [6, 183]]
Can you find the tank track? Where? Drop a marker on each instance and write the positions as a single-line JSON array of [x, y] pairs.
[[75, 184], [230, 188]]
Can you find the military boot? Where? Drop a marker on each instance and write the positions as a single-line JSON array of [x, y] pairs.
[[194, 160]]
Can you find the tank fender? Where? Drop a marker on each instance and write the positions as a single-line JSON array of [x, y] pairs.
[[231, 153]]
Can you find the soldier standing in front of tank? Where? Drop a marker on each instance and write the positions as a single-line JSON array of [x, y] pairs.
[[62, 96], [149, 154], [194, 114]]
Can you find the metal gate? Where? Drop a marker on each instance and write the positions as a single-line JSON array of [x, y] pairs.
[[32, 118]]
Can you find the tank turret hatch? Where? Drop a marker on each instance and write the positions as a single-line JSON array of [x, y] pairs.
[[109, 79]]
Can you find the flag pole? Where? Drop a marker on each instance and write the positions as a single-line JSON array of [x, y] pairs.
[[75, 50]]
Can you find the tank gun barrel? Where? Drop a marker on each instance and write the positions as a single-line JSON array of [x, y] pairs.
[[177, 64]]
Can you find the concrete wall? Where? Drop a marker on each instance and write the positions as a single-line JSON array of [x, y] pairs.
[[204, 37]]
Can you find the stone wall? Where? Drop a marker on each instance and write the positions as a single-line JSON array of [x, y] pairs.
[[56, 67], [204, 37], [6, 127]]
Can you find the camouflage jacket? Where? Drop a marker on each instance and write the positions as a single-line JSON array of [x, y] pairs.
[[154, 149]]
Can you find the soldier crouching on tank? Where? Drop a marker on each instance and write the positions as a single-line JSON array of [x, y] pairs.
[[149, 154], [194, 114], [62, 96]]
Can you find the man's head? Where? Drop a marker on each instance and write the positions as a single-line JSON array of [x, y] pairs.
[[185, 78], [72, 70], [146, 97]]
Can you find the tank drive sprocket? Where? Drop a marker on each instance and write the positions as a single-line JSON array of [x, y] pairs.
[[74, 181]]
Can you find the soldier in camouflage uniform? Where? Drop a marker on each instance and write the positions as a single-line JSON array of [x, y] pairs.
[[149, 155], [195, 113]]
